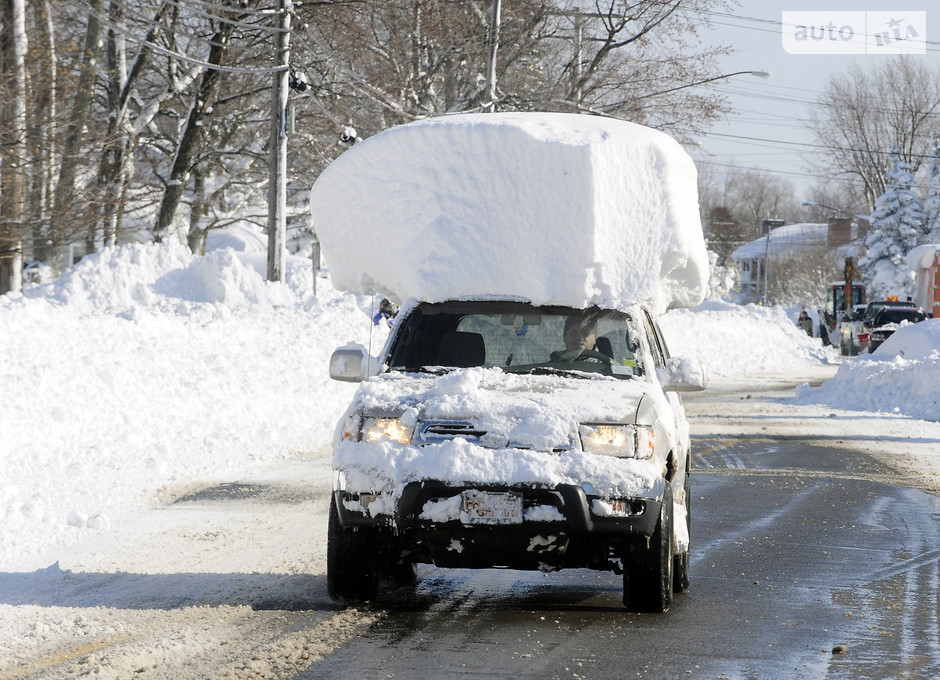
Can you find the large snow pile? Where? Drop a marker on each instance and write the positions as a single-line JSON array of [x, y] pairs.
[[902, 376], [554, 208], [733, 339], [144, 368]]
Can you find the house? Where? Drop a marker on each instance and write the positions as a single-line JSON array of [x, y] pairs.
[[755, 260]]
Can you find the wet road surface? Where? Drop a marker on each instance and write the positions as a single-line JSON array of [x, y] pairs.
[[807, 562]]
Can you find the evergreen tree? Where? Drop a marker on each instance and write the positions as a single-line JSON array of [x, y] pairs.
[[896, 226], [932, 199]]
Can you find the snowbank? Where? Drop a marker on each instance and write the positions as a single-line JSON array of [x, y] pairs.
[[144, 368], [902, 376], [553, 208], [733, 339]]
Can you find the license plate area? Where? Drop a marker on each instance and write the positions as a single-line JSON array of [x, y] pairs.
[[490, 507]]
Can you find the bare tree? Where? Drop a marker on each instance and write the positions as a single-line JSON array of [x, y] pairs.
[[639, 60], [12, 141], [64, 209], [866, 112], [138, 111], [801, 276], [754, 196], [41, 130], [390, 61], [202, 105]]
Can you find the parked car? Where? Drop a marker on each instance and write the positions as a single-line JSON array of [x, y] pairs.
[[888, 320], [855, 331], [481, 440], [848, 330]]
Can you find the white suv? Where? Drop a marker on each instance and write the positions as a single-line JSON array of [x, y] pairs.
[[478, 439]]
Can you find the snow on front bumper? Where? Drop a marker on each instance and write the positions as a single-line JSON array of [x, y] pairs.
[[419, 486], [563, 509], [383, 469]]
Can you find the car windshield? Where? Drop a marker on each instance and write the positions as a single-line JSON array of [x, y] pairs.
[[888, 315], [517, 338]]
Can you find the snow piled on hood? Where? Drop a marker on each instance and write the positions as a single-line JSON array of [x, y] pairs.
[[541, 413], [554, 208]]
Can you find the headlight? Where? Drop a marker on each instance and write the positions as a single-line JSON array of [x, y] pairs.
[[379, 429], [622, 441]]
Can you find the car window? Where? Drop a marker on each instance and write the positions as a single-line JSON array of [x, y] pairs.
[[514, 337], [888, 315], [657, 344]]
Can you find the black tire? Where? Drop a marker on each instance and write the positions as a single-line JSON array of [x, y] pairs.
[[648, 574], [352, 572], [403, 575], [680, 567]]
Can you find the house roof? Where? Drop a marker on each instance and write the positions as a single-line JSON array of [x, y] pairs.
[[788, 238]]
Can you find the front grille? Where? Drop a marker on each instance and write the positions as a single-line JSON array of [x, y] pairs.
[[440, 431], [437, 431]]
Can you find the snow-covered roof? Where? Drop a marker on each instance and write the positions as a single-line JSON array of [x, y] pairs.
[[787, 238], [554, 208], [923, 256]]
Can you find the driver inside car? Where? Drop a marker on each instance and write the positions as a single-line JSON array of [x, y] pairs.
[[579, 333], [579, 337]]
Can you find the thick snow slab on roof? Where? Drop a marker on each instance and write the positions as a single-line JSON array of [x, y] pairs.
[[923, 257], [554, 208]]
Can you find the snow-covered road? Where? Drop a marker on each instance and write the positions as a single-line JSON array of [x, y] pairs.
[[145, 376], [229, 580]]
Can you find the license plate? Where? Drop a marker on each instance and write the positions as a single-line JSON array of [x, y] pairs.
[[485, 507]]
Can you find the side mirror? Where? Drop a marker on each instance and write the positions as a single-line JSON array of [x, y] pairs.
[[348, 364], [682, 375]]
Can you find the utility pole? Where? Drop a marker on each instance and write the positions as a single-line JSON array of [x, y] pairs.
[[577, 70], [277, 186], [491, 60]]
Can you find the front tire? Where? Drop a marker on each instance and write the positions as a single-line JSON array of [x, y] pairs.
[[680, 576], [648, 576], [352, 573]]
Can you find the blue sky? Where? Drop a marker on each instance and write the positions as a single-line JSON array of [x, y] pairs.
[[767, 129]]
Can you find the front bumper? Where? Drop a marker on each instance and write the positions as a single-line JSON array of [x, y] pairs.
[[576, 536]]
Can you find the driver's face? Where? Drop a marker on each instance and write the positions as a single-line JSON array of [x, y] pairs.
[[580, 337]]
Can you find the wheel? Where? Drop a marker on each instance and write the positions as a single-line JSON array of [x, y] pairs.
[[680, 567], [352, 572], [648, 576], [403, 574]]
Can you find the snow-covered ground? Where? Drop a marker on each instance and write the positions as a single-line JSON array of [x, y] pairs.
[[144, 371], [145, 374]]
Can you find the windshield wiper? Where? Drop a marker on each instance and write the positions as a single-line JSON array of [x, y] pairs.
[[433, 370], [546, 370]]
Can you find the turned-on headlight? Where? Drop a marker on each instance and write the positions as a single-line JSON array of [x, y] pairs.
[[378, 429], [621, 441]]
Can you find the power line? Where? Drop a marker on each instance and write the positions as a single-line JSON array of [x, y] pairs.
[[790, 173]]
